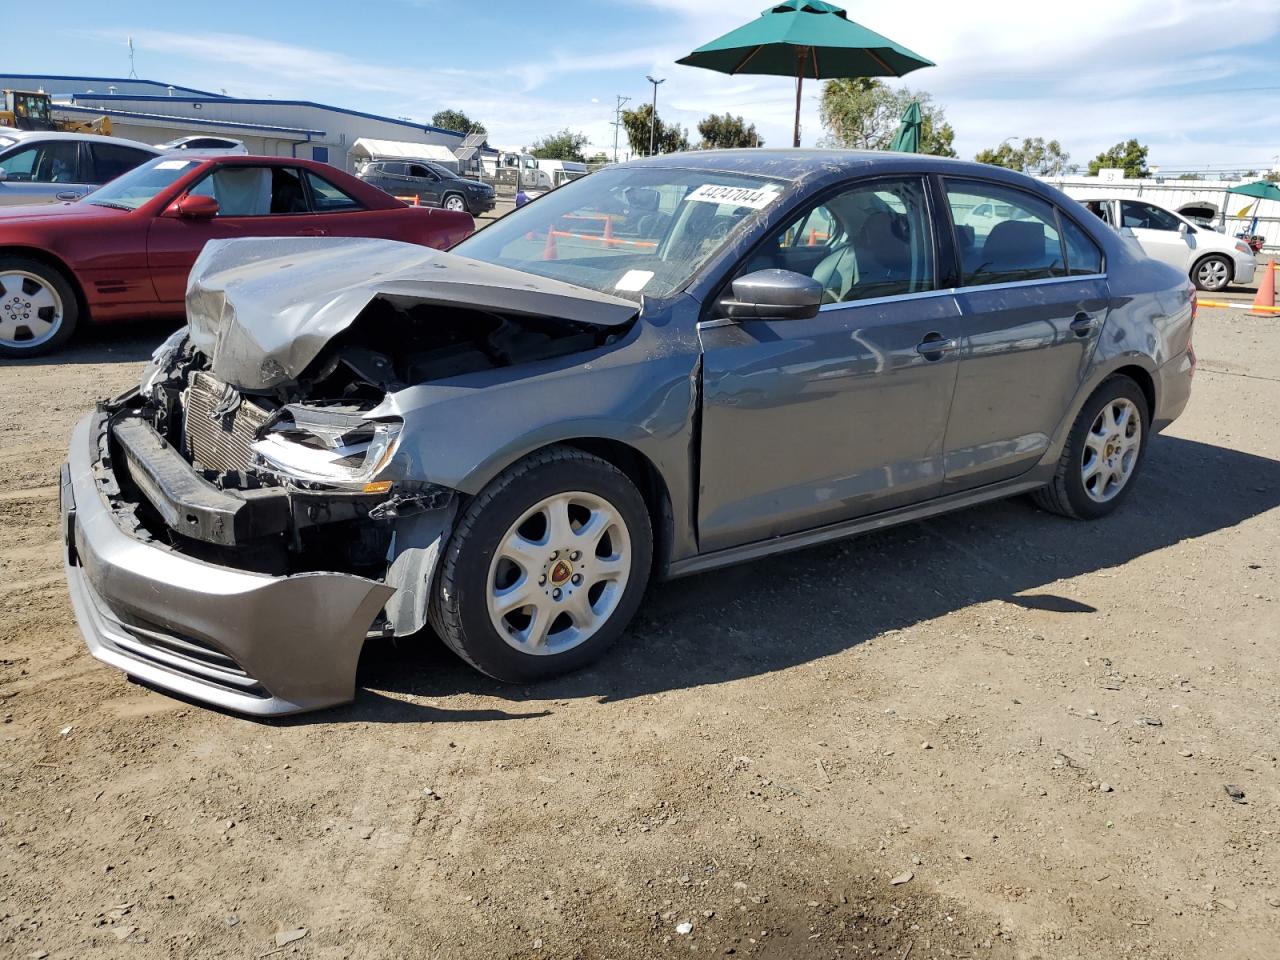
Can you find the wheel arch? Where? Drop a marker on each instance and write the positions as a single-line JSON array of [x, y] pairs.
[[53, 260], [1219, 254], [1142, 378]]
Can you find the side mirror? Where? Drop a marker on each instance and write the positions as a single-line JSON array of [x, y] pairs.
[[1182, 229], [774, 295], [193, 207]]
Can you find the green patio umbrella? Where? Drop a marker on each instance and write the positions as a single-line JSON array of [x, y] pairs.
[[1262, 190], [907, 139], [805, 38]]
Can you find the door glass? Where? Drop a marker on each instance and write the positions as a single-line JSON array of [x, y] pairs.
[[1146, 217], [254, 191], [110, 160], [1083, 255], [52, 162], [1004, 234], [872, 240], [329, 199]]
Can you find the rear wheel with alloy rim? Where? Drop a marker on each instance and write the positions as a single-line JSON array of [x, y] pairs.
[[1103, 453], [1212, 273], [545, 567], [38, 309], [455, 203]]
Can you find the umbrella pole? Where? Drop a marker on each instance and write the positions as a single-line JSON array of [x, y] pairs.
[[799, 84]]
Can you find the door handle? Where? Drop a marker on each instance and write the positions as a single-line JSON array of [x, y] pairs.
[[1082, 324], [67, 195], [933, 347]]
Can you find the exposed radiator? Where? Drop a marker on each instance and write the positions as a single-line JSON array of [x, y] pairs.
[[219, 441]]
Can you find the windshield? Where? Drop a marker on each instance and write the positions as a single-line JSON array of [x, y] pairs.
[[131, 190], [627, 231]]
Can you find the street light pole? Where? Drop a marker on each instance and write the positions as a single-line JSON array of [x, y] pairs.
[[653, 116]]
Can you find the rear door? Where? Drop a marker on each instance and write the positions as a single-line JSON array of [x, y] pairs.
[[1034, 297], [811, 422], [254, 201], [1157, 233]]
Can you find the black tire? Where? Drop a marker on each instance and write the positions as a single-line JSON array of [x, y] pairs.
[[1066, 495], [444, 202], [1212, 285], [459, 607], [56, 281]]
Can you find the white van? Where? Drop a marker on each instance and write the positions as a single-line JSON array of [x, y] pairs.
[[1211, 259]]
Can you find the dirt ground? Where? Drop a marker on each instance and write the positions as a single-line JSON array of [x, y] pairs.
[[1032, 719]]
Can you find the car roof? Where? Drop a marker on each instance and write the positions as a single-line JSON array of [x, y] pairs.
[[15, 134], [797, 164]]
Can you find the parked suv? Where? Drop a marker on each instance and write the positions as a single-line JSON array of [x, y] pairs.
[[1211, 259], [37, 166], [433, 184]]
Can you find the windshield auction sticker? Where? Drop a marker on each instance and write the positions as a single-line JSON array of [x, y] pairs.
[[738, 196]]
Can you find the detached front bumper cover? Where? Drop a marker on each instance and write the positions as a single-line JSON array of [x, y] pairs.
[[246, 642]]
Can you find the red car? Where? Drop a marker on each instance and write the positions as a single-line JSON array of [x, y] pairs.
[[124, 251]]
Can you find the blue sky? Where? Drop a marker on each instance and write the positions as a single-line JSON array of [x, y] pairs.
[[1195, 79]]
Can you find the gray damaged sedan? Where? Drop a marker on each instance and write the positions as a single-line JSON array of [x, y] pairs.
[[660, 369]]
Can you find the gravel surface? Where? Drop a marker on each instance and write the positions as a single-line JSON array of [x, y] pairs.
[[995, 734]]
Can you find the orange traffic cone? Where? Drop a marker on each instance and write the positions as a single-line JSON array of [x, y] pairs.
[[608, 228], [549, 251], [1264, 304]]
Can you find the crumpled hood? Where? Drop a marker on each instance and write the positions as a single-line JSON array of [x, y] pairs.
[[261, 309]]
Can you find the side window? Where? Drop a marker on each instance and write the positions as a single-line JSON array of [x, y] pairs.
[[1083, 255], [1145, 216], [1017, 241], [55, 161], [417, 170], [254, 191], [872, 240], [326, 198], [110, 160]]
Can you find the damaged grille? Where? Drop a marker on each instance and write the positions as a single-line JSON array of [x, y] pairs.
[[219, 425]]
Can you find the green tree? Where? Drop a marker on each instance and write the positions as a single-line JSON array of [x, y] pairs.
[[1033, 155], [564, 145], [1272, 175], [864, 113], [728, 131], [1130, 156], [666, 138], [457, 121]]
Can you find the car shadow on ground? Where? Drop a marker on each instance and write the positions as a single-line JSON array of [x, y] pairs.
[[772, 614], [110, 343]]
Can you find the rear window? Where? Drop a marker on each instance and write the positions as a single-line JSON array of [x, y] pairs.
[[1084, 257]]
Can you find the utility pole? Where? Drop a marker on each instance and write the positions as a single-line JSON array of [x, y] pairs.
[[653, 117], [617, 123]]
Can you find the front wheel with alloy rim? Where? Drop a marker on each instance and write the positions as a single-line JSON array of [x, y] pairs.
[[1103, 453], [1212, 273], [455, 203], [38, 309], [545, 567]]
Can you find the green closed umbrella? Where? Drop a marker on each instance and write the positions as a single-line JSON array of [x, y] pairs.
[[907, 139], [805, 38]]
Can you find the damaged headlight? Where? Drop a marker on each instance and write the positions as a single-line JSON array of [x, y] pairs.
[[162, 361], [329, 448]]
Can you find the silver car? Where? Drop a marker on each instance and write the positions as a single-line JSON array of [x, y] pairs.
[[39, 166], [672, 365]]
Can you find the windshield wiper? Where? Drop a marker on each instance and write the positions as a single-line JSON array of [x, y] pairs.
[[112, 204]]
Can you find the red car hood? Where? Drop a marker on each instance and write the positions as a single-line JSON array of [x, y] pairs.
[[79, 210]]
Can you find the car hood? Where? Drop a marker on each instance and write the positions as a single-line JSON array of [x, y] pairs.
[[261, 309], [76, 210], [470, 183]]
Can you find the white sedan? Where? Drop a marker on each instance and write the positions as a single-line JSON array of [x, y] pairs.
[[1211, 259]]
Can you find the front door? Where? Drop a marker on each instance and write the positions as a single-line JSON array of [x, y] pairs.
[[1033, 297], [44, 171], [253, 201], [1157, 232], [810, 422]]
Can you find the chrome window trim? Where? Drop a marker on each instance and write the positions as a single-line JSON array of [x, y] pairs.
[[953, 291]]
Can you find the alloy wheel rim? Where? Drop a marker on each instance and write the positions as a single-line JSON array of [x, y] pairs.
[[31, 310], [1111, 449], [559, 573], [1213, 273], [453, 203]]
